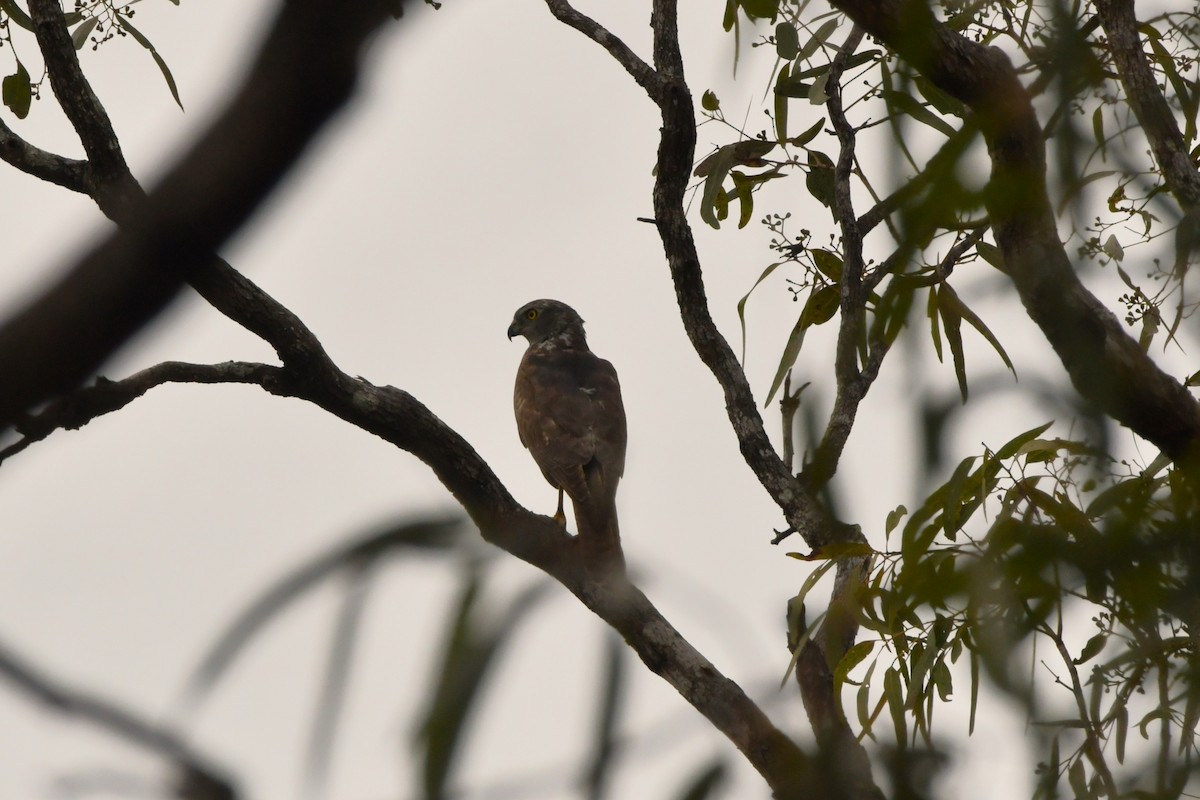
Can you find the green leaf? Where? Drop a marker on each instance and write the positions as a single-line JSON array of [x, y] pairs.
[[893, 518], [949, 295], [705, 783], [162, 65], [475, 641], [820, 178], [709, 101], [952, 503], [974, 691], [759, 9], [828, 263], [818, 309], [1014, 445], [16, 14], [935, 332], [781, 101], [991, 254], [819, 38], [1078, 780], [741, 306], [787, 41], [1121, 731], [893, 691], [716, 166], [17, 91], [952, 324], [808, 135], [604, 740], [853, 657], [942, 680], [1092, 648], [1098, 132], [906, 104], [79, 36]]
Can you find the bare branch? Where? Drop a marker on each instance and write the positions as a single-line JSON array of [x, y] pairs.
[[69, 173], [196, 771], [305, 71], [76, 409], [1106, 365], [641, 72]]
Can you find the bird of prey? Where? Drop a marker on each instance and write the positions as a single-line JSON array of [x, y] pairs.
[[570, 415]]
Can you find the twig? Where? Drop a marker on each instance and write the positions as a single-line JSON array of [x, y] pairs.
[[76, 409]]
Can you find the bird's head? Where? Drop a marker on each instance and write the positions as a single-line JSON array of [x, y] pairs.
[[543, 320]]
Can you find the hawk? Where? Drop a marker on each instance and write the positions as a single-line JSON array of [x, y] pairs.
[[570, 415]]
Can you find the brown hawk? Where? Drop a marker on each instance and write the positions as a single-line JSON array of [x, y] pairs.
[[570, 415]]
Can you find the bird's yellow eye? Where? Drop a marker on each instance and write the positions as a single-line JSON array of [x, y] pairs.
[[531, 313]]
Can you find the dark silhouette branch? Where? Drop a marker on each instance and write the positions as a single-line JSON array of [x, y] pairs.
[[1105, 364], [196, 773], [1142, 92], [69, 173], [305, 71], [638, 69]]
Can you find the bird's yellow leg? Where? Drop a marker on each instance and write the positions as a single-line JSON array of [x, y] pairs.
[[559, 516]]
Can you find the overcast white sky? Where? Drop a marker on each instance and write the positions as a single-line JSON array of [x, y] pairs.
[[493, 157]]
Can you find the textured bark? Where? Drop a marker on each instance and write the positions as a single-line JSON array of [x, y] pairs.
[[1146, 99], [1105, 364]]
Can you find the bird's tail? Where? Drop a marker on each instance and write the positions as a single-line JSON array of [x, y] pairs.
[[600, 535]]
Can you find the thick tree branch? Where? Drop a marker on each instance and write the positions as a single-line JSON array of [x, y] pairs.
[[200, 777], [305, 72], [1106, 365], [66, 172], [1146, 99], [676, 152]]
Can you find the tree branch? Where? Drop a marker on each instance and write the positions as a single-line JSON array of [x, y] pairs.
[[66, 172], [676, 152], [305, 71], [197, 773], [638, 69], [1105, 364], [76, 409], [1146, 99]]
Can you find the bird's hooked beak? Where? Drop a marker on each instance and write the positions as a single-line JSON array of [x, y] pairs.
[[512, 331]]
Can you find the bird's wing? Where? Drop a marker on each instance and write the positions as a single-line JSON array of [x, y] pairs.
[[570, 416]]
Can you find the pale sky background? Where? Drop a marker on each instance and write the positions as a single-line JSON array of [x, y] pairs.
[[493, 156]]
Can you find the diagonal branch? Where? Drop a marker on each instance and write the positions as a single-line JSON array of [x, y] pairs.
[[1105, 364], [1146, 99], [305, 71], [76, 409], [638, 69], [68, 173], [196, 771]]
